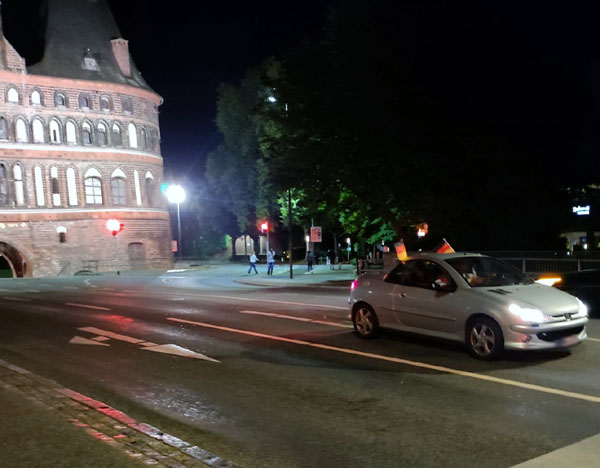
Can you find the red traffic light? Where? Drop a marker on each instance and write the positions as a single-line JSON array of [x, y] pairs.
[[114, 226], [264, 226]]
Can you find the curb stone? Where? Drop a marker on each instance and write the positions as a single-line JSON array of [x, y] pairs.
[[138, 440]]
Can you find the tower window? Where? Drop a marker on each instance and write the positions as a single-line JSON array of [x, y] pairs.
[[12, 96], [86, 133], [55, 132], [118, 189], [36, 98], [38, 131], [60, 100], [3, 186], [93, 191]]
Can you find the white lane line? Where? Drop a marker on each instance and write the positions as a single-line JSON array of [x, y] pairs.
[[21, 291], [115, 336], [291, 317], [270, 301], [73, 304], [15, 299], [582, 453], [422, 365]]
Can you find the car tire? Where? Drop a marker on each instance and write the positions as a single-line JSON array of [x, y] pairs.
[[365, 321], [484, 338]]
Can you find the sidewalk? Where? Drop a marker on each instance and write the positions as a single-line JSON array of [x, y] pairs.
[[322, 275], [45, 425]]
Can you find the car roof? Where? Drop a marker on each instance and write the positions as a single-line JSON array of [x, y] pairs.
[[441, 256]]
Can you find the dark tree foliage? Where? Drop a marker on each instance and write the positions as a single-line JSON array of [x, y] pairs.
[[414, 108]]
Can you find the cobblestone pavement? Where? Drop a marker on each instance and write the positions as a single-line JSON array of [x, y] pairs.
[[139, 441]]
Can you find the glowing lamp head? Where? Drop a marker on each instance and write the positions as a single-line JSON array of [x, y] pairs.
[[264, 227], [175, 194], [114, 226]]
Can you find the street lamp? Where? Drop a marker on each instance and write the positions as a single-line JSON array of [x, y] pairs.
[[264, 227], [176, 194], [348, 242]]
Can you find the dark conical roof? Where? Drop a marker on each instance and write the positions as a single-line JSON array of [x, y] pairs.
[[79, 28]]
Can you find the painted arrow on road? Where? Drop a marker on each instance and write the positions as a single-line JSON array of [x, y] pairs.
[[104, 335]]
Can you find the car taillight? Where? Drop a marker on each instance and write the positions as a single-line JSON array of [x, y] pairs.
[[353, 285]]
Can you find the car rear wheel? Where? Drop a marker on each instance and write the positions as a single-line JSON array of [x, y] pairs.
[[365, 321], [484, 338]]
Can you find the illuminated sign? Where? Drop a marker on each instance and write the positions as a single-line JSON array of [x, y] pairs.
[[316, 234], [581, 210]]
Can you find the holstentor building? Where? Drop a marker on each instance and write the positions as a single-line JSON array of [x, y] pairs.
[[79, 144]]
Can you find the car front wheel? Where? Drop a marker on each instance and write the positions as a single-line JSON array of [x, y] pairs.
[[484, 338], [365, 321]]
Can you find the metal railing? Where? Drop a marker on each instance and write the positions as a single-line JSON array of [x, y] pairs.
[[538, 266]]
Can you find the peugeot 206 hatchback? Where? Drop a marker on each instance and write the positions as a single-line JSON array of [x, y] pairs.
[[471, 298]]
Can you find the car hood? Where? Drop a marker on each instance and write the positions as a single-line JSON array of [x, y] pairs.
[[549, 300]]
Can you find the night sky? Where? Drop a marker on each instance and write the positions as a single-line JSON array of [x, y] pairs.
[[528, 70], [185, 49]]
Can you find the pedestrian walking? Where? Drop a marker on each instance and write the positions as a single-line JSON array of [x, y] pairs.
[[309, 261], [253, 260], [270, 261], [331, 259]]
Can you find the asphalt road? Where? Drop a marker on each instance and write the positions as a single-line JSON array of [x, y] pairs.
[[278, 378]]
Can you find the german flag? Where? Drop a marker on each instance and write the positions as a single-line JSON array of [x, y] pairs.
[[401, 251], [444, 248]]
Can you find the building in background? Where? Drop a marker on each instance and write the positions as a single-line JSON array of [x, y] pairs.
[[79, 144]]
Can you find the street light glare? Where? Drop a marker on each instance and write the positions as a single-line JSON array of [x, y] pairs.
[[175, 194]]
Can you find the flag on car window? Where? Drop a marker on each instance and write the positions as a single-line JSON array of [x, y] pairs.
[[401, 251], [444, 247]]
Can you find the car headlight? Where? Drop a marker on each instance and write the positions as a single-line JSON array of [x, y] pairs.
[[526, 314], [583, 310]]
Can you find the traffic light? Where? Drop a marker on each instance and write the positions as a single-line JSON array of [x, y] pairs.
[[114, 226], [264, 227]]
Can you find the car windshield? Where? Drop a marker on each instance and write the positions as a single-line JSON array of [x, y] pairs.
[[487, 272]]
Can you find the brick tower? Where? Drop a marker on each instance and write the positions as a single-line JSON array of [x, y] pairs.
[[79, 145]]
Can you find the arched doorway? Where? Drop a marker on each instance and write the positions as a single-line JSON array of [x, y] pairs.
[[12, 263]]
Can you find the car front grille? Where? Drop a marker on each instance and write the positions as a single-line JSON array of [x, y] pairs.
[[557, 335]]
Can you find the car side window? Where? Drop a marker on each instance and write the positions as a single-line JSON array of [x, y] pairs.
[[395, 276], [424, 274]]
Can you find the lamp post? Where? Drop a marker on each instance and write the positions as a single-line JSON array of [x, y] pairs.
[[176, 194], [264, 227], [348, 242]]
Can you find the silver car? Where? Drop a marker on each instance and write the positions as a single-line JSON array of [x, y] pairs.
[[471, 298]]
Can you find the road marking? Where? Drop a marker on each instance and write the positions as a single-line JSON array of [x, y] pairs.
[[80, 340], [114, 336], [422, 365], [291, 317], [178, 351], [70, 287], [147, 346], [15, 299], [270, 301], [593, 339], [72, 304], [582, 453]]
